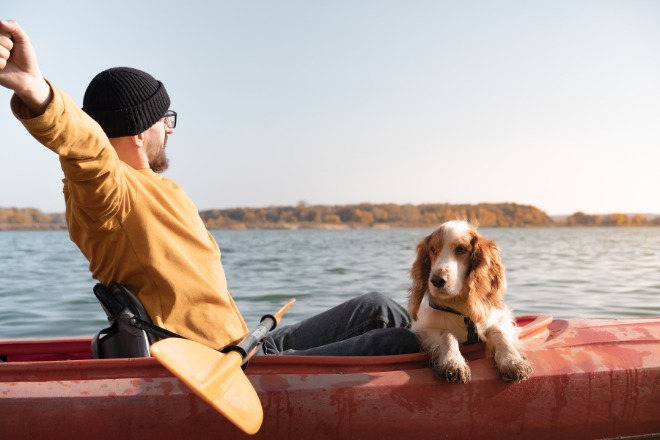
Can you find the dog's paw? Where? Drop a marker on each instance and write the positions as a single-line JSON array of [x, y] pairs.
[[453, 371], [515, 370]]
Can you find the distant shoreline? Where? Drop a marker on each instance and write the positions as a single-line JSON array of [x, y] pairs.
[[361, 216], [322, 226]]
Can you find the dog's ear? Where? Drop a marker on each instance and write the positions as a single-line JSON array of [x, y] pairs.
[[486, 278], [420, 276]]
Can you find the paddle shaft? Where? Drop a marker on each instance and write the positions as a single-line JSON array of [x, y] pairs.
[[249, 345]]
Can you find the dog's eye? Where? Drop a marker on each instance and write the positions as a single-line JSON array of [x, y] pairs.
[[433, 251], [460, 250]]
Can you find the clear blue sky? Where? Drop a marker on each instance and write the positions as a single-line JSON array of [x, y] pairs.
[[550, 103]]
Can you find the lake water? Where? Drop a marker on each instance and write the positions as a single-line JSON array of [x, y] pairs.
[[46, 289]]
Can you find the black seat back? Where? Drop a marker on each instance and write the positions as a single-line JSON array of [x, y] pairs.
[[122, 339]]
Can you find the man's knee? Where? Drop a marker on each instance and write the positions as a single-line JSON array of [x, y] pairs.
[[385, 309], [376, 298]]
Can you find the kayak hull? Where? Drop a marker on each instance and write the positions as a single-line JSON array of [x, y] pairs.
[[592, 379]]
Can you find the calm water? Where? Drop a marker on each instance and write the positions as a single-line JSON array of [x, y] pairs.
[[46, 289]]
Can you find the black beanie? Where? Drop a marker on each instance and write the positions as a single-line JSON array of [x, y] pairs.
[[125, 101]]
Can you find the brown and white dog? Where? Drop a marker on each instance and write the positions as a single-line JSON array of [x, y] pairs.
[[457, 275]]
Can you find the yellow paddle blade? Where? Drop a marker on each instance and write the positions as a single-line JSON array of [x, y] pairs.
[[280, 312], [215, 377]]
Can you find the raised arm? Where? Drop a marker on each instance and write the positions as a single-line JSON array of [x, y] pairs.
[[19, 70], [96, 187]]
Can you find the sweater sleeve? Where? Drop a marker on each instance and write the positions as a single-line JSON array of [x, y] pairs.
[[96, 188]]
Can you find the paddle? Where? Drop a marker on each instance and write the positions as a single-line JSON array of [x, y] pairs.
[[217, 377]]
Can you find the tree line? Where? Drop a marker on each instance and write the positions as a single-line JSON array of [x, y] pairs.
[[30, 218], [408, 215], [365, 215]]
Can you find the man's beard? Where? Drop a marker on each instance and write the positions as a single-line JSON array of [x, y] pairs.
[[160, 162]]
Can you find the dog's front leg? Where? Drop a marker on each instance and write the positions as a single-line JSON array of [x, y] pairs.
[[511, 364], [446, 359]]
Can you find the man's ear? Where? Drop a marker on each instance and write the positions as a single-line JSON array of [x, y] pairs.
[[138, 139]]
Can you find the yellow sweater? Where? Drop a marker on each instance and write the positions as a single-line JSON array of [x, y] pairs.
[[138, 228]]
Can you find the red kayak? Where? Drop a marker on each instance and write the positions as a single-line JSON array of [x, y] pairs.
[[592, 378]]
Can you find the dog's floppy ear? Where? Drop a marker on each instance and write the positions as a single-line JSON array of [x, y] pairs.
[[420, 276], [486, 279]]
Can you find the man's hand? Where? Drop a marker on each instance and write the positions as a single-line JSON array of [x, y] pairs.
[[19, 70]]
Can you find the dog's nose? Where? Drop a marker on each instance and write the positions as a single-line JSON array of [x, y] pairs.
[[438, 280]]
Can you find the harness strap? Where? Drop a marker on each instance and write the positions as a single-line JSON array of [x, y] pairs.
[[159, 332], [472, 335]]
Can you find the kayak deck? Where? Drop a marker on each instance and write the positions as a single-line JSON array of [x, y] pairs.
[[592, 379]]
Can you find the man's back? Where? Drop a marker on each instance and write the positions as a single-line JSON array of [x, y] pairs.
[[137, 228]]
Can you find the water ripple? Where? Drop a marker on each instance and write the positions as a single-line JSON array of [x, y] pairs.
[[46, 288]]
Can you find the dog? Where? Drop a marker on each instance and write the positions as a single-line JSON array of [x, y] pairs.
[[458, 284]]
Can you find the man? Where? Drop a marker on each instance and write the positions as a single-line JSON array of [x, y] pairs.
[[140, 229]]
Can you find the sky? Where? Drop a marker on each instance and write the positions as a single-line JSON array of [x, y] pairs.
[[554, 104]]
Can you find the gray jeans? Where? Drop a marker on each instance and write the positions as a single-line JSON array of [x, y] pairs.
[[369, 325]]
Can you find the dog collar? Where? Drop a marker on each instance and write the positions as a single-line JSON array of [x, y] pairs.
[[472, 335]]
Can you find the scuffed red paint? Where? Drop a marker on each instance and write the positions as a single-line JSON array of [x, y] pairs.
[[591, 379], [167, 387]]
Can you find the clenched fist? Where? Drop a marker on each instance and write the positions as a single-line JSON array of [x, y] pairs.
[[19, 70]]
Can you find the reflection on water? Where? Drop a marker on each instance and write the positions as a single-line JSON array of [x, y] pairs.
[[46, 289]]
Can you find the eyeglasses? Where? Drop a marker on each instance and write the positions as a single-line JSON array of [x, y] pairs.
[[170, 119]]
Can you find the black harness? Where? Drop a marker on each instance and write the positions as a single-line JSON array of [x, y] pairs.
[[472, 335]]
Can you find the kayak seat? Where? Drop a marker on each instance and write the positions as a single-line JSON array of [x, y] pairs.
[[131, 331]]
